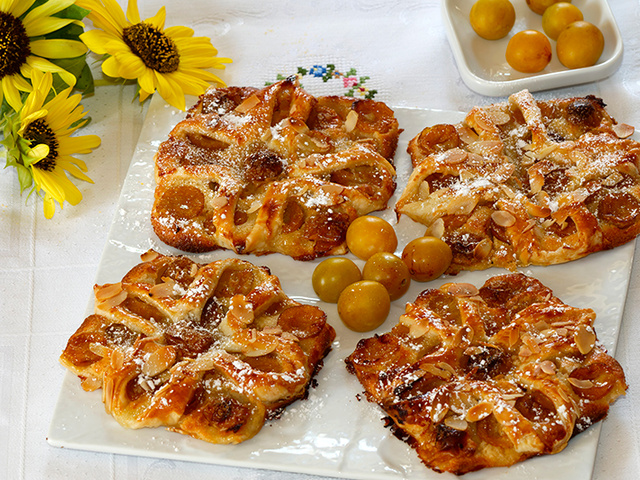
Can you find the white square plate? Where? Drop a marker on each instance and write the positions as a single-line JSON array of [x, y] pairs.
[[331, 433], [482, 63]]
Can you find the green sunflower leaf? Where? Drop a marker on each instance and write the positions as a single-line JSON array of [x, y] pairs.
[[79, 68], [24, 177]]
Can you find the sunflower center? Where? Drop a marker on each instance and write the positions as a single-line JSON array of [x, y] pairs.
[[156, 50], [39, 132], [14, 45]]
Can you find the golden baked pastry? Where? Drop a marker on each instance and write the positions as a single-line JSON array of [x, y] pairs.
[[273, 170], [206, 350], [526, 182], [474, 378]]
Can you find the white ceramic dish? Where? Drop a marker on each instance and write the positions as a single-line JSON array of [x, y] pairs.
[[482, 63], [331, 433]]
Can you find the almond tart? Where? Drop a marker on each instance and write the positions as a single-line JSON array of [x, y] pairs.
[[475, 378], [210, 351], [273, 170], [526, 182]]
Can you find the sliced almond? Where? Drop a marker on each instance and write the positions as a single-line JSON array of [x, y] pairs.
[[498, 117], [529, 225], [115, 300], [585, 339], [241, 310], [254, 207], [546, 151], [503, 218], [536, 181], [483, 120], [445, 366], [149, 255], [460, 289], [332, 188], [162, 290], [219, 202], [479, 411], [483, 249], [436, 229], [289, 336], [525, 351], [536, 210], [435, 370], [579, 383], [454, 156], [248, 104], [99, 349], [622, 130], [613, 179], [439, 412], [548, 367], [541, 326], [108, 290], [628, 168], [276, 330], [514, 336], [456, 423], [351, 121], [117, 359], [158, 361], [424, 190]]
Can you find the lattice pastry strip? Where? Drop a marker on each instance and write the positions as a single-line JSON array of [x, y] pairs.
[[273, 170], [475, 378], [526, 182], [206, 350]]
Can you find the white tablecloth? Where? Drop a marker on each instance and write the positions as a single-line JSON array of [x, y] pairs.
[[47, 267]]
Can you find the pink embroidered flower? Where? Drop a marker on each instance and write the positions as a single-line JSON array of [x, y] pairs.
[[349, 81]]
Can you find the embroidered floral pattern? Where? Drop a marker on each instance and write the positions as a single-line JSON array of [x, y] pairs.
[[354, 85]]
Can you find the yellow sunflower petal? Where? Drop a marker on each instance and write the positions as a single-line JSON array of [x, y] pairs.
[[96, 40], [131, 66], [11, 93], [76, 162], [189, 84], [46, 10], [147, 82], [132, 12], [144, 95], [42, 26], [49, 207], [81, 144], [111, 67], [15, 7], [195, 52], [62, 104], [170, 91], [71, 193], [202, 75], [178, 32], [106, 15], [21, 83], [37, 153], [158, 19], [39, 63], [58, 48], [48, 182], [73, 170], [32, 117]]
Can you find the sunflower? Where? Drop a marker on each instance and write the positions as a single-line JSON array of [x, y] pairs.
[[27, 43], [39, 143], [171, 61]]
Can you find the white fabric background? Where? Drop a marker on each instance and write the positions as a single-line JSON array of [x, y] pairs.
[[47, 268]]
